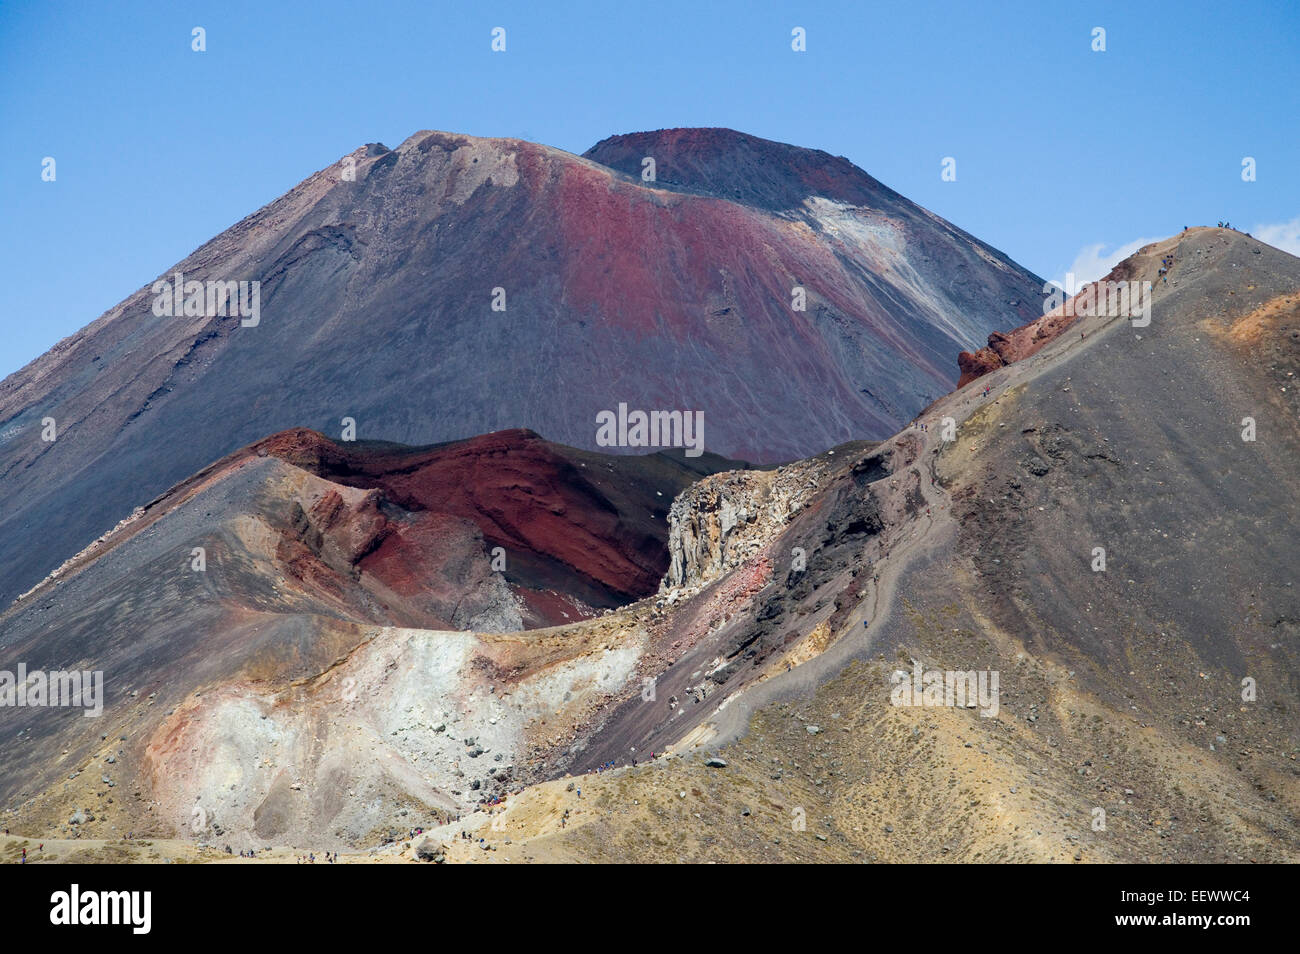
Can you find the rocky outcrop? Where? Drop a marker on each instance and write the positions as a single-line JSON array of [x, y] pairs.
[[700, 544], [723, 520], [1012, 346], [341, 532], [976, 364]]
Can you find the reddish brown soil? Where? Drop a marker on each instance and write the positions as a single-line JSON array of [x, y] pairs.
[[1012, 346], [591, 527]]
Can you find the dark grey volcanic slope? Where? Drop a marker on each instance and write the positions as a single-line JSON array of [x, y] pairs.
[[1123, 689], [376, 304], [780, 177], [759, 172]]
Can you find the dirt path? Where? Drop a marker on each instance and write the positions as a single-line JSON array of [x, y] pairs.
[[933, 530]]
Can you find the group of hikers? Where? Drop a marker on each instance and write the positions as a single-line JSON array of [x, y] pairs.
[[613, 764], [310, 858]]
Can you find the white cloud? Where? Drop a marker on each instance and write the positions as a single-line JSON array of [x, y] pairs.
[[1093, 262], [1285, 236]]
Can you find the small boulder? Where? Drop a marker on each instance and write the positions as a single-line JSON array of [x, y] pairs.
[[427, 850]]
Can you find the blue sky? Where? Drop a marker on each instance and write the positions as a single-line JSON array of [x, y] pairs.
[[1064, 155]]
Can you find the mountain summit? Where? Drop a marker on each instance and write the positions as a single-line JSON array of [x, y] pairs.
[[456, 286], [733, 165]]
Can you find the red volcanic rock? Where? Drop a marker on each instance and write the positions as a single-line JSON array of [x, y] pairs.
[[975, 364], [353, 530], [438, 565], [577, 528], [1009, 347], [1003, 346]]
